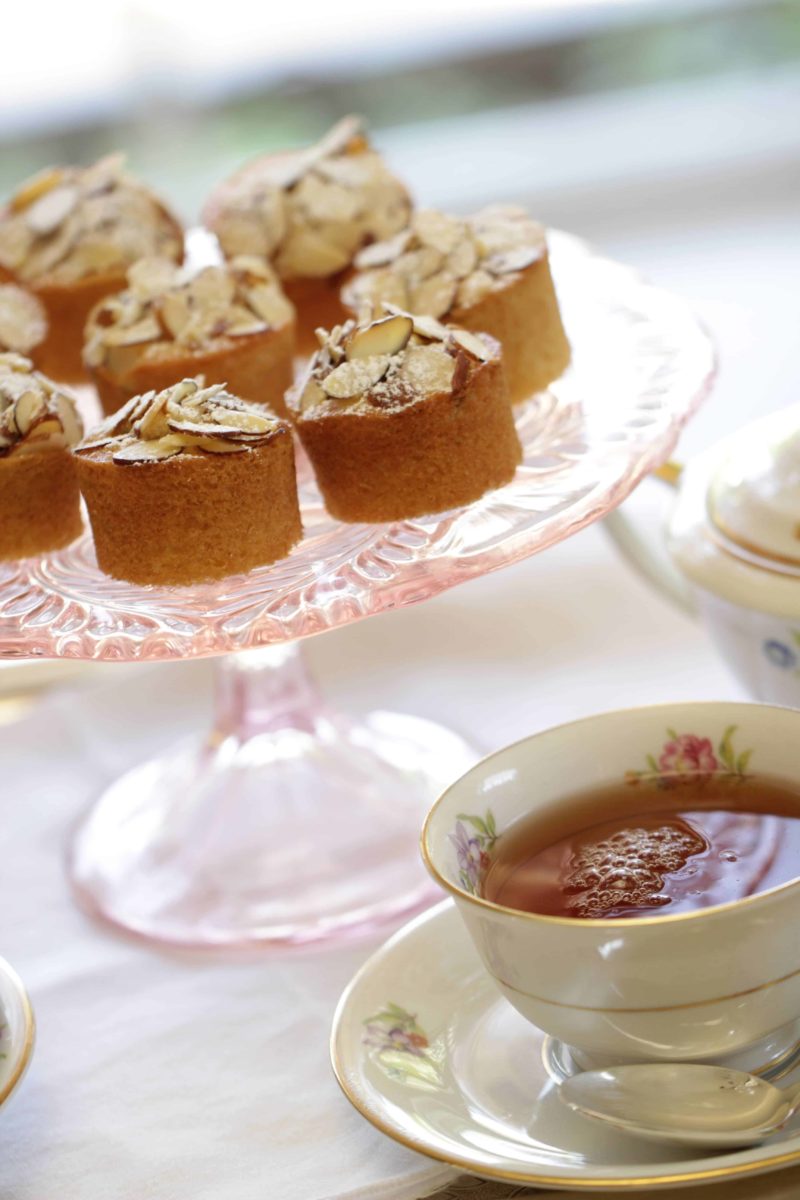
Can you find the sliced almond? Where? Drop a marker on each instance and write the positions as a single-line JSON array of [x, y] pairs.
[[143, 452], [270, 304], [68, 415], [472, 344], [150, 276], [45, 181], [215, 445], [240, 322], [387, 336], [473, 289], [51, 209], [429, 327], [45, 428], [23, 321], [420, 264], [433, 297], [338, 138], [146, 330], [380, 254], [353, 378], [305, 253], [463, 258], [246, 233], [509, 261], [428, 369], [438, 230], [30, 407], [153, 424], [175, 312], [242, 419], [311, 396]]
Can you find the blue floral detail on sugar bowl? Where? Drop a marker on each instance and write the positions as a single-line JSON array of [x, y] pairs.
[[780, 654]]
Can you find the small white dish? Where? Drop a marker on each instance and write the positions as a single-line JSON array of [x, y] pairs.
[[426, 1048], [17, 1031]]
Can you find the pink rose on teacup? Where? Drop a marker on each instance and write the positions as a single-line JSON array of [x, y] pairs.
[[687, 754]]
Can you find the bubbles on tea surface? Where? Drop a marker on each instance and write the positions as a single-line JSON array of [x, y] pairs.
[[628, 869]]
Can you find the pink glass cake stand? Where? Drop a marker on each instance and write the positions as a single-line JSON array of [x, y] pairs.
[[290, 823]]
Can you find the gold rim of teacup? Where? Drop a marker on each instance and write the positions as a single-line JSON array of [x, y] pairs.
[[30, 1031], [600, 922]]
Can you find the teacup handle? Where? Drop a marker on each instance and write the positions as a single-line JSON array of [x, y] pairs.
[[637, 549]]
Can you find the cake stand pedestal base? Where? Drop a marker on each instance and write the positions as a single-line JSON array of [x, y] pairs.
[[289, 824]]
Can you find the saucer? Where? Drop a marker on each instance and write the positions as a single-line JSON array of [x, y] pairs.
[[426, 1048], [16, 1031]]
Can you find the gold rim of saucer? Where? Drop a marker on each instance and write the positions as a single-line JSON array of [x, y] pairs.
[[486, 1170], [30, 1032], [600, 922]]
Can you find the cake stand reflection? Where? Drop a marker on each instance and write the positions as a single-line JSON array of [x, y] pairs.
[[290, 823]]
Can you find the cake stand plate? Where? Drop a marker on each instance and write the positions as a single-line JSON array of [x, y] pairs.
[[290, 823]]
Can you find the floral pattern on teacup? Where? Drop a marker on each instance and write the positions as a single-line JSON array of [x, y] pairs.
[[401, 1047], [689, 757], [472, 848]]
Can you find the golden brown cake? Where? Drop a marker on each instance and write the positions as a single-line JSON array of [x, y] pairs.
[[39, 498], [231, 324], [404, 416], [487, 272], [189, 484], [68, 235], [309, 211]]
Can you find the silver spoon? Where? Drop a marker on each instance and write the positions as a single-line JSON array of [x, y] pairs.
[[683, 1104]]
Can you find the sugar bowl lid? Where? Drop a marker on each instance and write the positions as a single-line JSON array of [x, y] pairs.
[[753, 498], [735, 529]]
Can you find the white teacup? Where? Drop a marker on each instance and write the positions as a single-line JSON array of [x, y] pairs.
[[717, 984]]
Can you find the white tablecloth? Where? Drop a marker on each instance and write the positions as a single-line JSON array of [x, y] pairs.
[[175, 1077]]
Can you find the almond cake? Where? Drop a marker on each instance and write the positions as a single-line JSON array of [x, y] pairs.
[[39, 498], [189, 484], [230, 323], [404, 416]]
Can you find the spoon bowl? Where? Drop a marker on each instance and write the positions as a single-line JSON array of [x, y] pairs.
[[683, 1104]]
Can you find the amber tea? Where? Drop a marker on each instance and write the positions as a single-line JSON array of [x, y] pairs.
[[619, 851]]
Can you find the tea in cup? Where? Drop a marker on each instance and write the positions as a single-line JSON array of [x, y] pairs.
[[632, 880]]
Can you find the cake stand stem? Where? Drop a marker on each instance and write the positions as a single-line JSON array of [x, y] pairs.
[[289, 823]]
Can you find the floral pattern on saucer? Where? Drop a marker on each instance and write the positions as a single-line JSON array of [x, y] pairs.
[[401, 1047], [688, 757], [472, 848]]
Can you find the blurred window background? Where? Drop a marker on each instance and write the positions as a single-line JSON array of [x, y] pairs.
[[666, 130]]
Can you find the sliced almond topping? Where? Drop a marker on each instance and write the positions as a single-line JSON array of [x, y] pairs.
[[472, 344], [463, 259], [305, 253], [509, 261], [146, 330], [216, 445], [429, 327], [175, 312], [157, 451], [240, 322], [36, 187], [473, 289], [380, 254], [388, 336], [417, 265], [439, 230], [433, 297], [270, 304], [311, 396], [355, 377], [150, 276], [51, 209], [428, 369], [154, 424], [70, 421], [23, 321], [45, 428], [30, 407]]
